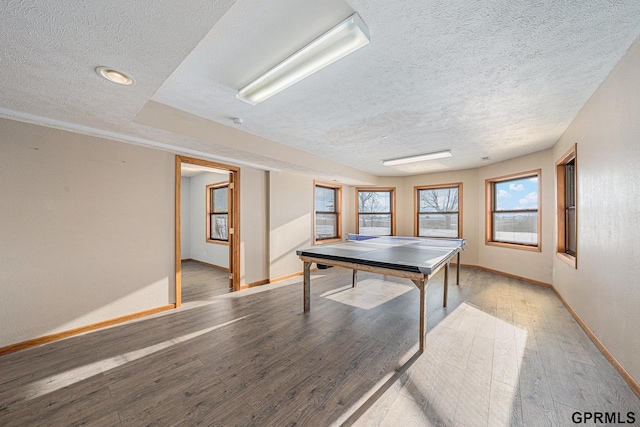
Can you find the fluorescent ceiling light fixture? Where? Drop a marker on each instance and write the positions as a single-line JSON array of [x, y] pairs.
[[419, 158], [346, 37]]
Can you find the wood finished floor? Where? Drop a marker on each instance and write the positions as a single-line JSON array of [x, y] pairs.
[[202, 282], [503, 353]]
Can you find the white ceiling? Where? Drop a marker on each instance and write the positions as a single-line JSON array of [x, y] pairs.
[[481, 78]]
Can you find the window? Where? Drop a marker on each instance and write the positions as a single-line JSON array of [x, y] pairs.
[[567, 246], [327, 220], [218, 213], [376, 211], [438, 210], [513, 211]]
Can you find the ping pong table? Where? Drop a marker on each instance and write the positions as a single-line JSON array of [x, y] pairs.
[[414, 258]]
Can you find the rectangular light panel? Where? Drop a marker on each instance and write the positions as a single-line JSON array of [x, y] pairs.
[[346, 37], [419, 158]]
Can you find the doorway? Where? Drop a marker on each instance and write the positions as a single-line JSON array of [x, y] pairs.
[[215, 211]]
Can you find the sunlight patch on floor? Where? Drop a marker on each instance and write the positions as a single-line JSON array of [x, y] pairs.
[[470, 356], [72, 376]]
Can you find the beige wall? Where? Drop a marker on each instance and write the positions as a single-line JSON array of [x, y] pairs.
[[86, 230], [528, 264], [348, 209], [254, 214], [77, 236], [259, 149], [290, 221], [291, 213], [604, 289]]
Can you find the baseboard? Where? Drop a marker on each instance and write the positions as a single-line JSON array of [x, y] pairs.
[[626, 376], [206, 263], [253, 284], [274, 280], [453, 264], [512, 276], [288, 276], [82, 329]]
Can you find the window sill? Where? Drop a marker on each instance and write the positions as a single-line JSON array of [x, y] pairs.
[[218, 242], [566, 258], [325, 241], [514, 246]]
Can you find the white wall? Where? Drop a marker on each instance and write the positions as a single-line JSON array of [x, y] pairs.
[[529, 264], [87, 230], [604, 288], [201, 250], [185, 217]]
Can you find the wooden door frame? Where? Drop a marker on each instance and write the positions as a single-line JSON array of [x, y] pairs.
[[234, 220]]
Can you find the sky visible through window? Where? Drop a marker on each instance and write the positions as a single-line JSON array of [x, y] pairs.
[[517, 194], [374, 201], [220, 196], [325, 199]]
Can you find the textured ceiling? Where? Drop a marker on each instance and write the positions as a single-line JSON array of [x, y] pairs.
[[481, 78]]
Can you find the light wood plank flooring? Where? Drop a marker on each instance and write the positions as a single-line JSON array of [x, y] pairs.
[[503, 353]]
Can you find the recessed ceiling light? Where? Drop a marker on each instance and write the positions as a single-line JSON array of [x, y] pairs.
[[115, 76]]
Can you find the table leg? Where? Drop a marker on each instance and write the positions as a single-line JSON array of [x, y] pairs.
[[446, 284], [423, 316], [307, 286], [423, 308], [458, 270], [354, 279]]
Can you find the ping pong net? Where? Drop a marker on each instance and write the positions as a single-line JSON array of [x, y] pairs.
[[441, 242]]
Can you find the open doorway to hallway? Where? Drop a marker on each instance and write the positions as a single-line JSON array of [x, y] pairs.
[[207, 229]]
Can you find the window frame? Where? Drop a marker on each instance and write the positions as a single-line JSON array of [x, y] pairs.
[[392, 205], [561, 206], [338, 212], [416, 206], [209, 189], [490, 209]]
